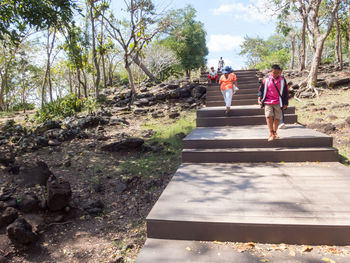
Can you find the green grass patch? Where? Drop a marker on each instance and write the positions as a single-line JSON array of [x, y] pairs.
[[308, 111], [168, 136]]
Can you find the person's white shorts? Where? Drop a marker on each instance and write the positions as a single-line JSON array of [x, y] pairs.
[[227, 96]]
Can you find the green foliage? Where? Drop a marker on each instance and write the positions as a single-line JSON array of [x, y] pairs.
[[187, 39], [121, 76], [16, 15], [64, 107], [262, 53], [21, 106], [280, 57]]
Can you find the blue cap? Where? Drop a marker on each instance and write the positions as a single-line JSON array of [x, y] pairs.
[[227, 69]]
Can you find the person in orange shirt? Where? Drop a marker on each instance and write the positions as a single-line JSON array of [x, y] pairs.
[[228, 81]]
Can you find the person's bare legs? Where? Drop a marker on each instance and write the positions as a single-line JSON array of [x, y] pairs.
[[270, 125], [276, 122]]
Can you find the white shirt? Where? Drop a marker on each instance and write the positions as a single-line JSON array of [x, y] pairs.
[[212, 73]]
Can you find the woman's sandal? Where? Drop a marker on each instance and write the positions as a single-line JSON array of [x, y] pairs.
[[275, 135]]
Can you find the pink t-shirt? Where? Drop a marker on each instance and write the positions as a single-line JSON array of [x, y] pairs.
[[272, 96]]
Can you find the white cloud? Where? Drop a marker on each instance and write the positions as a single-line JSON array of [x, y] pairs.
[[260, 10], [224, 42]]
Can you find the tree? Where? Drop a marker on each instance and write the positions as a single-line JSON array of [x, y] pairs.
[[17, 15], [262, 54], [187, 39], [134, 33], [75, 47], [316, 36], [160, 60]]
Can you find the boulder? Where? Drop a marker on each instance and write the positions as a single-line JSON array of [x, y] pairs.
[[172, 86], [47, 125], [41, 141], [116, 120], [184, 92], [28, 203], [138, 111], [337, 81], [6, 156], [9, 215], [174, 114], [33, 174], [69, 134], [129, 144], [20, 232], [161, 96], [91, 122], [347, 120], [59, 194], [141, 102], [93, 206], [198, 91]]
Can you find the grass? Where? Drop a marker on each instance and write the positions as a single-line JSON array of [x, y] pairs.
[[308, 112], [166, 161]]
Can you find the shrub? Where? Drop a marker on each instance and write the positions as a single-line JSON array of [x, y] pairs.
[[64, 107], [21, 106]]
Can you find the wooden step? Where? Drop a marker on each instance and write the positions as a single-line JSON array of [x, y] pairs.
[[240, 120], [295, 203], [180, 251], [254, 137], [234, 102], [244, 110], [236, 96], [241, 155]]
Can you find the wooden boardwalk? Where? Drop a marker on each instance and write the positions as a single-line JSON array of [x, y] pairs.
[[235, 186]]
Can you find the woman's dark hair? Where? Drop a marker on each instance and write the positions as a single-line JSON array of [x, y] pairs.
[[275, 66]]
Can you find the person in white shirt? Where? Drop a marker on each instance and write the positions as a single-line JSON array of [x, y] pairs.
[[221, 64], [213, 76]]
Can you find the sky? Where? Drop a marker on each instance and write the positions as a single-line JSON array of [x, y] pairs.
[[227, 22]]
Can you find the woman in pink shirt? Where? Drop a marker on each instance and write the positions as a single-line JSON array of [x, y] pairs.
[[273, 95]]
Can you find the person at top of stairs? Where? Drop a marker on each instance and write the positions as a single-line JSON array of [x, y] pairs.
[[273, 95], [221, 64], [228, 81], [213, 75]]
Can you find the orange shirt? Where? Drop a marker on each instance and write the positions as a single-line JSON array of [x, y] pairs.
[[227, 83]]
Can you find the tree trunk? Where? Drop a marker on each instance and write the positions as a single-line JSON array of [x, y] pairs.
[[50, 82], [79, 82], [292, 51], [131, 80], [85, 84], [2, 91], [94, 52], [43, 87], [337, 39], [188, 73], [312, 78], [349, 25], [138, 62], [303, 47], [70, 81]]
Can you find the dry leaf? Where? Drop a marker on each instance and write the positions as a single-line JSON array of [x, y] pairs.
[[328, 260], [218, 242], [251, 244], [333, 250], [292, 253], [307, 249], [188, 249], [264, 260]]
